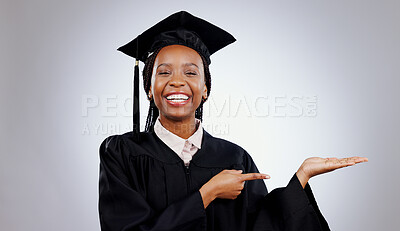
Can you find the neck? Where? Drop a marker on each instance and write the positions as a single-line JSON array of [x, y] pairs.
[[183, 128]]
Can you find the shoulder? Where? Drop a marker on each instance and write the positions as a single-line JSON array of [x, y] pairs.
[[113, 141], [123, 143], [224, 151], [219, 143], [125, 146]]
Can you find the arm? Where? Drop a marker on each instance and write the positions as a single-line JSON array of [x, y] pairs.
[[291, 208], [294, 207], [122, 207]]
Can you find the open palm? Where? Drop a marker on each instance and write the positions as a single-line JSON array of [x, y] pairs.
[[315, 166]]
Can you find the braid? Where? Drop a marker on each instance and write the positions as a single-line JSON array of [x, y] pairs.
[[207, 79], [147, 73], [153, 110], [148, 70], [151, 116]]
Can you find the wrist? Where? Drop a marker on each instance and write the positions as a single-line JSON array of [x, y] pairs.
[[211, 190], [303, 177], [208, 194]]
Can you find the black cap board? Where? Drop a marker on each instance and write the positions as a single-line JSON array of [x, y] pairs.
[[181, 28]]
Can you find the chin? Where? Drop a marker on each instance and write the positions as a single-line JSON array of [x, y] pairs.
[[178, 115]]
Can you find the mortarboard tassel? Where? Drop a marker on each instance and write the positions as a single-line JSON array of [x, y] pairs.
[[136, 116]]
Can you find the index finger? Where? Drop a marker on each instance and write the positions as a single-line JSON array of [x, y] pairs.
[[254, 176]]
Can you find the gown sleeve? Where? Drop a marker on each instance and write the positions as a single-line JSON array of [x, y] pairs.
[[290, 208], [121, 207]]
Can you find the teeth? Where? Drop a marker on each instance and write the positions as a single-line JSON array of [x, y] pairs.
[[178, 97], [177, 100]]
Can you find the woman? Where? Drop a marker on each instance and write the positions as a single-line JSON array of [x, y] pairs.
[[176, 176]]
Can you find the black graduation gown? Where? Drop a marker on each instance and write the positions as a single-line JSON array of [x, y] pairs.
[[146, 186]]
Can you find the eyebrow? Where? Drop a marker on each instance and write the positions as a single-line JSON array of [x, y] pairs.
[[190, 64], [186, 65], [163, 64]]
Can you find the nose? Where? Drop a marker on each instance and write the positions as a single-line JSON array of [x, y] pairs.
[[177, 80]]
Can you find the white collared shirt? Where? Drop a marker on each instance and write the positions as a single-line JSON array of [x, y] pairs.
[[184, 148]]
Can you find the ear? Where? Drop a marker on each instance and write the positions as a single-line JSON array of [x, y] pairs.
[[205, 92], [150, 94]]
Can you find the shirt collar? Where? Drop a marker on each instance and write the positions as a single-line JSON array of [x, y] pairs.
[[175, 142]]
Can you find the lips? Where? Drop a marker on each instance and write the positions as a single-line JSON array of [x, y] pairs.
[[177, 98]]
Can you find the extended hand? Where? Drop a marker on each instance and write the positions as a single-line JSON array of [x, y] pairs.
[[315, 165]]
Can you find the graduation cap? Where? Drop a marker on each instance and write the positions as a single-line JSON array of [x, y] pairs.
[[180, 28]]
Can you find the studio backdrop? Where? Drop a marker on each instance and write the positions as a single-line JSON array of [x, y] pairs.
[[305, 78]]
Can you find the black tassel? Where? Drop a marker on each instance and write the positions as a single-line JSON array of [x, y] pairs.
[[136, 114]]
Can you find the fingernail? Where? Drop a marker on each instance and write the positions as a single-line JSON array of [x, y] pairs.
[[266, 176]]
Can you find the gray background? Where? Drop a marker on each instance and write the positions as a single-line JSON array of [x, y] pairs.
[[55, 55]]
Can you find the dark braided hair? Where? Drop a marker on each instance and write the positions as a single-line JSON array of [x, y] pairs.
[[153, 110]]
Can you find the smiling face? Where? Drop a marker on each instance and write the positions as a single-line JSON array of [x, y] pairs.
[[177, 83]]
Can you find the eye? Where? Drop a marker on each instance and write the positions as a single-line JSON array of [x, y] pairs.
[[163, 73], [191, 73]]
